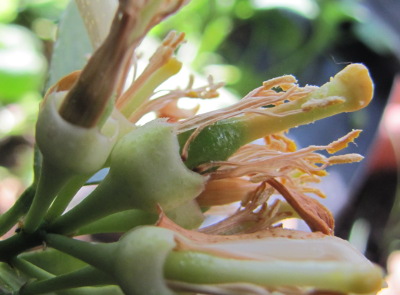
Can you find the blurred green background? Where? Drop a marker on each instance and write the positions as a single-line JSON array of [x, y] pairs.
[[27, 32], [240, 42]]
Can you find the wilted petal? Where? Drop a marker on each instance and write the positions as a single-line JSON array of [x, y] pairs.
[[174, 113], [224, 191], [317, 216]]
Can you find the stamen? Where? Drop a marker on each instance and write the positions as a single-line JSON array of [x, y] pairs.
[[87, 102], [288, 172], [225, 191], [283, 82], [254, 159], [158, 104], [130, 100], [280, 142], [343, 142]]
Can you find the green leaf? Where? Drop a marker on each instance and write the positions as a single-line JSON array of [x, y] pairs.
[[53, 261], [10, 280]]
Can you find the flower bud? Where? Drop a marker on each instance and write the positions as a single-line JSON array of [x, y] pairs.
[[68, 151], [146, 164], [146, 171], [135, 262], [157, 260], [140, 259]]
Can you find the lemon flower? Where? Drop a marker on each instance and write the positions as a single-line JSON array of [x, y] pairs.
[[182, 164], [86, 113]]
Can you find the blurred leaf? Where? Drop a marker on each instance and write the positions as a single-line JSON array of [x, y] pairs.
[[53, 261], [49, 9], [244, 9], [379, 38], [8, 10], [22, 66], [72, 48], [215, 33]]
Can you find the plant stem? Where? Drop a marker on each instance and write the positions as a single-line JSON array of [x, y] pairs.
[[18, 244], [100, 203], [118, 222], [97, 254], [65, 196], [50, 182], [20, 207]]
